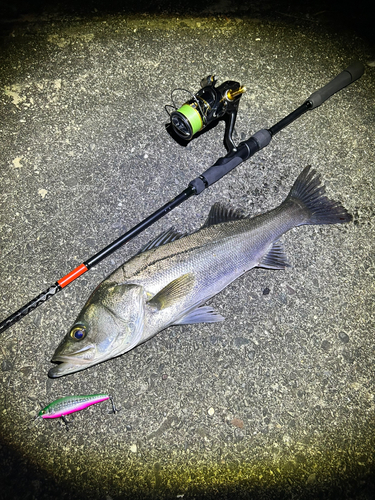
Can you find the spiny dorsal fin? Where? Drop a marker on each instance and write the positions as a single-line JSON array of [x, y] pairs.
[[220, 213], [173, 292], [166, 237], [275, 258]]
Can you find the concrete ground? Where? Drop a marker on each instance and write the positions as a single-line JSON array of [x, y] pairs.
[[277, 401]]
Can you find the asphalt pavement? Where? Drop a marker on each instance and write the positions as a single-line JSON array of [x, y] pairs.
[[278, 400]]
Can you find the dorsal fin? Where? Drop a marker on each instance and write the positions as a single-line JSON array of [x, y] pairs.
[[166, 237], [220, 213]]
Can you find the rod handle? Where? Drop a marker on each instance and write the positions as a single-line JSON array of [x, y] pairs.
[[224, 165], [346, 77]]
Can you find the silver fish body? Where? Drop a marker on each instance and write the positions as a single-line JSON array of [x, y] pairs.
[[169, 281]]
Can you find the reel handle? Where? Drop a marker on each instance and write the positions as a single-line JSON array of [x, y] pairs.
[[349, 75]]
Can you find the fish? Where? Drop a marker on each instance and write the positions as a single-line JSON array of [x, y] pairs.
[[170, 279]]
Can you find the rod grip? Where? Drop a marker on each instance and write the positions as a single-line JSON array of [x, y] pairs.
[[346, 77], [244, 151]]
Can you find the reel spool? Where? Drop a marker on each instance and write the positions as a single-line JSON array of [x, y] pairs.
[[206, 107]]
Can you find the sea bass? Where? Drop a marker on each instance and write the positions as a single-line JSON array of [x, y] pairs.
[[168, 282]]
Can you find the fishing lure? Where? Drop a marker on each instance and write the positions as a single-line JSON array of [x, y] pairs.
[[70, 404]]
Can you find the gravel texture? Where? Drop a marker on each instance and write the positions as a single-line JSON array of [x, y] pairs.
[[277, 401]]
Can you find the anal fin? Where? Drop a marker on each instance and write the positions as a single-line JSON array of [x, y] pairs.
[[203, 314], [275, 258]]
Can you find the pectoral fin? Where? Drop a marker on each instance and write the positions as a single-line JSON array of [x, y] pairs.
[[175, 291]]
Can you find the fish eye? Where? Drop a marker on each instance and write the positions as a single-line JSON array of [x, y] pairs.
[[78, 332]]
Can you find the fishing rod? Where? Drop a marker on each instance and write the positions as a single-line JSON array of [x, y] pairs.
[[206, 107]]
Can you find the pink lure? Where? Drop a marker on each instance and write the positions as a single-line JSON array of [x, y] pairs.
[[71, 404]]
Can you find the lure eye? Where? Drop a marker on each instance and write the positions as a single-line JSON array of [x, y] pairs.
[[78, 333]]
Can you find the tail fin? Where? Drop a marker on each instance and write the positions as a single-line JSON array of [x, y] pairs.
[[309, 190]]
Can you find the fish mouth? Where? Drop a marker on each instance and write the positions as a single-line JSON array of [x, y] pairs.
[[64, 368], [71, 364]]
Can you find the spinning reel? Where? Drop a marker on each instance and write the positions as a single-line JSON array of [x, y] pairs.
[[205, 108]]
